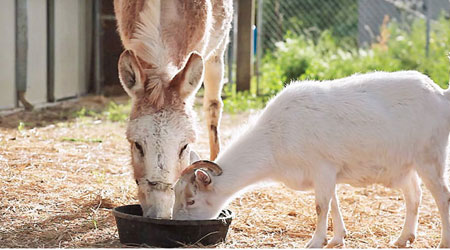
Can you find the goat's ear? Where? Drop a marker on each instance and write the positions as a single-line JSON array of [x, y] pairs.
[[193, 157], [202, 177], [130, 73], [188, 80]]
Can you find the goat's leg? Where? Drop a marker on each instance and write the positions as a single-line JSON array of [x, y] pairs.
[[412, 194], [324, 188], [433, 177], [339, 231], [212, 101]]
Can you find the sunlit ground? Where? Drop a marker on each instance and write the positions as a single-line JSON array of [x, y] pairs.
[[62, 170]]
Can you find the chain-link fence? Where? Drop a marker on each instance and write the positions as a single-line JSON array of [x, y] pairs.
[[306, 17], [351, 25], [358, 20]]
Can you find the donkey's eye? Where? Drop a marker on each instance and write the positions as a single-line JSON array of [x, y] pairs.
[[182, 150], [152, 183], [190, 203], [139, 147]]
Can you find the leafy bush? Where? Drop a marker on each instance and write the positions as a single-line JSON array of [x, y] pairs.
[[239, 101], [299, 58]]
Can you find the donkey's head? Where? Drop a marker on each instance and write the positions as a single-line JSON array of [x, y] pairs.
[[161, 127]]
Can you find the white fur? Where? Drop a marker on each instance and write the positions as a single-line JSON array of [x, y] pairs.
[[385, 128], [157, 134], [159, 40]]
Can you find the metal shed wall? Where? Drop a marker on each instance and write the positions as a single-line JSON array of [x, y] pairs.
[[73, 24], [7, 52], [37, 52], [67, 48]]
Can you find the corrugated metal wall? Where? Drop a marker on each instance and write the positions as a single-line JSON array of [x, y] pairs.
[[71, 50], [37, 52], [7, 52]]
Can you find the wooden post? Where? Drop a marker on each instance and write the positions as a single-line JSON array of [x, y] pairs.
[[246, 16]]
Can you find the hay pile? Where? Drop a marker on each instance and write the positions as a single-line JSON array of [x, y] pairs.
[[60, 177]]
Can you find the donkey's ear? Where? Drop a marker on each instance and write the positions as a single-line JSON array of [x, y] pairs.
[[188, 80], [130, 73]]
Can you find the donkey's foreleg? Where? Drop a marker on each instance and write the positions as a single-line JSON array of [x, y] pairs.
[[212, 101]]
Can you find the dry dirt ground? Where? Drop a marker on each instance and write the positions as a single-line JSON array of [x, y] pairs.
[[61, 175]]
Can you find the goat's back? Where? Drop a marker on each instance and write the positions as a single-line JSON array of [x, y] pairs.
[[367, 123]]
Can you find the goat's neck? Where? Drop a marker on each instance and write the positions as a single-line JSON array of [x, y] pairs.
[[244, 162]]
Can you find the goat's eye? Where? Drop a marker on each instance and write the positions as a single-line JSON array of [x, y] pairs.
[[190, 203], [182, 150], [139, 147]]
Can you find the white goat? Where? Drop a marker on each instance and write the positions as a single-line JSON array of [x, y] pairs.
[[385, 128]]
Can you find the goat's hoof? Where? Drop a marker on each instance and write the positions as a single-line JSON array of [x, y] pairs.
[[336, 242], [316, 243], [402, 241]]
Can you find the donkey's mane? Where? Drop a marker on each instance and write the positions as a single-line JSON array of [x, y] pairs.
[[148, 45]]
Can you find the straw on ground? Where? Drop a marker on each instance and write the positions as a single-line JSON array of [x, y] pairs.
[[61, 174]]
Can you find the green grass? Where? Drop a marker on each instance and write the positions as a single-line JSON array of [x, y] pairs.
[[114, 112], [70, 139], [21, 126], [242, 101], [117, 112]]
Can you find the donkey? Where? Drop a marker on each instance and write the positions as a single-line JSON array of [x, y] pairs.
[[170, 47], [384, 128]]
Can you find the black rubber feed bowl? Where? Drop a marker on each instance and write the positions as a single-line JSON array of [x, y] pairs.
[[137, 230]]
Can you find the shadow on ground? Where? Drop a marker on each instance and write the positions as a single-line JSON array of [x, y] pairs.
[[62, 230], [65, 111]]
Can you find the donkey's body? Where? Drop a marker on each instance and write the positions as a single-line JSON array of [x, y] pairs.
[[160, 74]]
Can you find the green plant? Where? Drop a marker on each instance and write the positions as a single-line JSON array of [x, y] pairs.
[[84, 113], [80, 113], [69, 139], [299, 58], [21, 126], [241, 101], [113, 112], [323, 58], [117, 112]]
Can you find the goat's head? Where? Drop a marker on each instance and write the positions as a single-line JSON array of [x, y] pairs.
[[194, 192], [161, 127]]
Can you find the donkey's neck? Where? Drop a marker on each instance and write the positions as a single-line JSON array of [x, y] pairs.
[[245, 162]]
